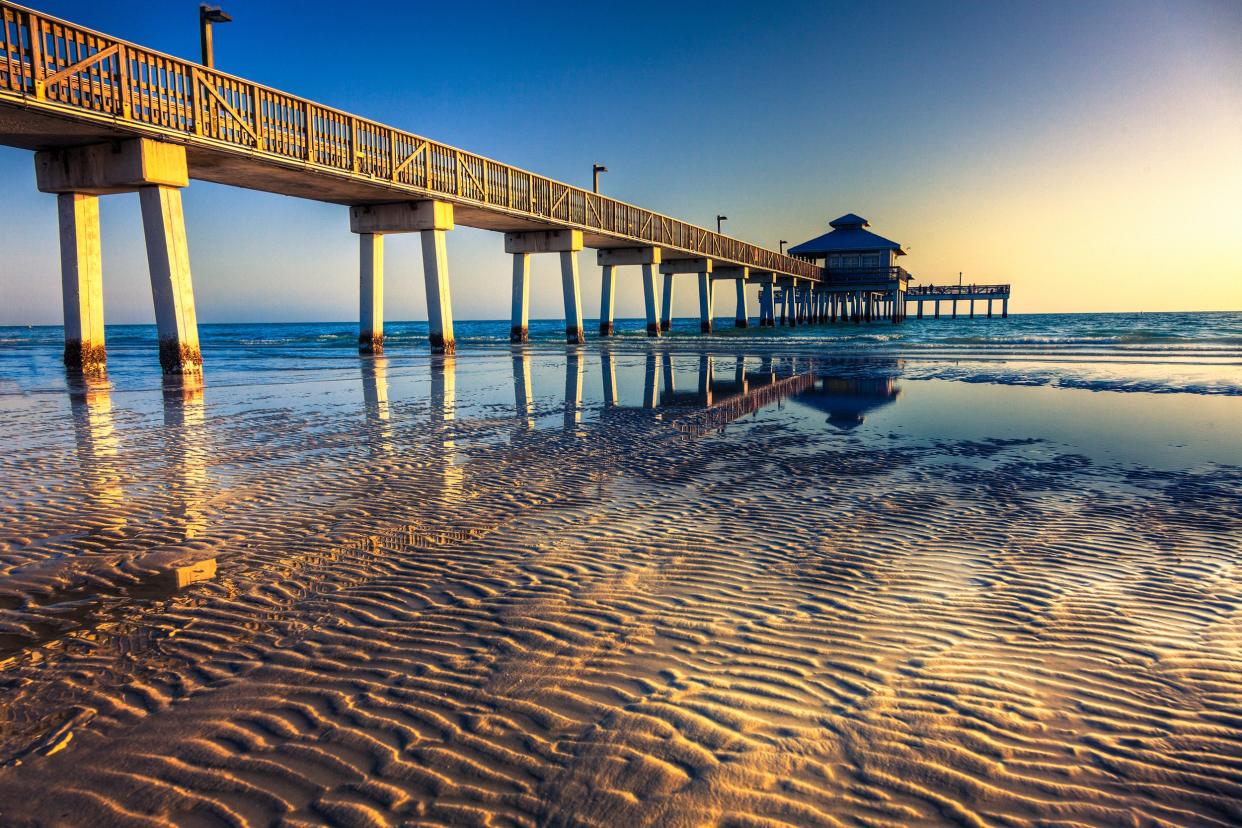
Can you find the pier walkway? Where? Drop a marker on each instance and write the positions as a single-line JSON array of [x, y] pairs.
[[106, 116]]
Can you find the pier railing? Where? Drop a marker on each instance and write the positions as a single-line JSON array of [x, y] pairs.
[[957, 290], [61, 66]]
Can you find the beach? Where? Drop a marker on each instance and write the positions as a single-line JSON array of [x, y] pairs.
[[980, 572]]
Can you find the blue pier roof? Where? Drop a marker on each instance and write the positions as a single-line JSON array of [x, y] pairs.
[[847, 234]]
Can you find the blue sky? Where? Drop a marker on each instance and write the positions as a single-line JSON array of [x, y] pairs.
[[1047, 144]]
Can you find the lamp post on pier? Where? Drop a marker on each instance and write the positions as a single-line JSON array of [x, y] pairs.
[[720, 219], [206, 16], [596, 169], [783, 243]]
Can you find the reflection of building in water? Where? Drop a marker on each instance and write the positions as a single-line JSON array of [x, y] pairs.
[[443, 413], [375, 404], [186, 451], [94, 432], [847, 400]]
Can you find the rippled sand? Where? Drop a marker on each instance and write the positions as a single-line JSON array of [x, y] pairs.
[[446, 594]]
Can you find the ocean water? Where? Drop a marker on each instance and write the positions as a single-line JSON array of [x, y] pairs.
[[979, 572], [1158, 352]]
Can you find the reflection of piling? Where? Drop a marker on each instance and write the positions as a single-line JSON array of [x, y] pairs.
[[522, 399], [94, 432], [375, 404], [608, 374], [443, 412], [186, 451], [705, 378], [573, 387], [651, 392]]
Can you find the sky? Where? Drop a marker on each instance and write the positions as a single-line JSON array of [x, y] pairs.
[[1090, 154]]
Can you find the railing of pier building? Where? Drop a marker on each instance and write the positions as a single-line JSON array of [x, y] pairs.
[[53, 61], [957, 290]]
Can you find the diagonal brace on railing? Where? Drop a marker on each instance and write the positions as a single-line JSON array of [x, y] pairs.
[[202, 81], [52, 80], [409, 159]]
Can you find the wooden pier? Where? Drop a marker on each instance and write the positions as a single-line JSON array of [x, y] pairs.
[[109, 116], [106, 116]]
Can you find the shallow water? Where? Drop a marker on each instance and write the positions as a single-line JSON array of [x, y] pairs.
[[770, 578]]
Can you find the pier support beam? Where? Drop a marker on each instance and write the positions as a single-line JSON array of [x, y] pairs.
[[700, 266], [439, 295], [81, 281], [157, 171], [573, 298], [519, 317], [611, 258], [705, 302], [430, 219], [607, 290], [168, 258], [370, 293], [666, 309], [766, 306], [739, 275], [741, 317], [567, 243]]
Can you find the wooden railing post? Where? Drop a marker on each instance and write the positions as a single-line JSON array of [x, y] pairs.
[[310, 132], [121, 82], [38, 68], [256, 114]]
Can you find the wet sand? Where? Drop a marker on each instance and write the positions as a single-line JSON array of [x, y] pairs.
[[619, 588]]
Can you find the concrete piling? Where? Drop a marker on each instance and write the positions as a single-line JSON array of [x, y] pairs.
[[519, 318], [81, 273], [371, 293]]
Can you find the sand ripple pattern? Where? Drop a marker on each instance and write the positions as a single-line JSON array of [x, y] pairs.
[[426, 621]]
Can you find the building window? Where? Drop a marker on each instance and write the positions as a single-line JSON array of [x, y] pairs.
[[871, 261], [850, 261]]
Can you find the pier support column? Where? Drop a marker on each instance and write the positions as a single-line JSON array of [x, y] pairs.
[[168, 257], [573, 298], [649, 300], [1005, 308], [972, 308], [430, 219], [370, 293], [791, 303], [705, 302], [666, 313], [741, 318], [766, 302], [955, 308], [519, 318], [81, 282], [937, 308], [157, 171], [920, 312], [607, 291], [439, 294], [567, 243], [894, 306], [989, 308]]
